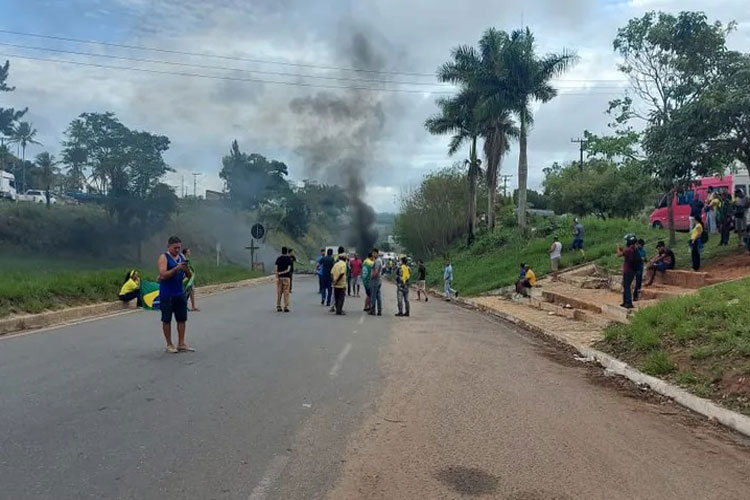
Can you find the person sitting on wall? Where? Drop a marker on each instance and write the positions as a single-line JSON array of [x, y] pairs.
[[131, 288], [526, 280]]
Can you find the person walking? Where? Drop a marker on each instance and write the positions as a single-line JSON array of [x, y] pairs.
[[448, 280], [421, 280], [640, 247], [376, 274], [630, 258], [283, 271], [696, 245], [555, 252], [326, 265], [403, 275], [293, 259], [356, 270], [578, 236], [338, 278], [366, 270], [172, 301]]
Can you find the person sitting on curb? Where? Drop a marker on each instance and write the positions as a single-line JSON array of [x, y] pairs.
[[526, 280], [663, 261], [131, 288]]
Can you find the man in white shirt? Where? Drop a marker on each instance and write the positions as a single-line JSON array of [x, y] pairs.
[[555, 252]]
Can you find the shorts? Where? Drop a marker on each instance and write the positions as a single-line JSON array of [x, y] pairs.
[[367, 289], [555, 263], [176, 305], [421, 285], [355, 280], [661, 266], [577, 244]]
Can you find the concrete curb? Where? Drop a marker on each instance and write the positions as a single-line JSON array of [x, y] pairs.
[[705, 407], [74, 314]]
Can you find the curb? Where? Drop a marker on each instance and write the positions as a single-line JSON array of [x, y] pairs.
[[74, 314], [705, 407]]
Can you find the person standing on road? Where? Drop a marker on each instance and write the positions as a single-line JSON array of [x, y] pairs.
[[376, 299], [555, 252], [283, 272], [421, 281], [578, 235], [319, 271], [326, 265], [172, 301], [366, 271], [629, 265], [403, 275], [293, 259], [448, 280], [640, 247], [696, 245], [356, 269], [338, 278]]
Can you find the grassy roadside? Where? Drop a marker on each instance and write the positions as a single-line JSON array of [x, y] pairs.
[[701, 342], [493, 261], [34, 284]]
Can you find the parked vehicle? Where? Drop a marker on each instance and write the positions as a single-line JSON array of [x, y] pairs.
[[7, 185], [681, 202], [36, 196]]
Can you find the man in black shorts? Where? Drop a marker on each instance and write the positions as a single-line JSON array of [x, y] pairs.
[[172, 301]]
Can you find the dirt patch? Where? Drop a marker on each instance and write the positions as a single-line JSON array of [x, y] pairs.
[[736, 384], [729, 267], [468, 480]]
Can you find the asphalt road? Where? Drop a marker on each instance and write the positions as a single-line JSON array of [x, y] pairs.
[[446, 404], [99, 410]]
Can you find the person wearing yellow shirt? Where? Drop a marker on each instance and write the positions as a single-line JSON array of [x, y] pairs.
[[131, 288], [338, 277], [526, 280], [696, 244], [403, 275]]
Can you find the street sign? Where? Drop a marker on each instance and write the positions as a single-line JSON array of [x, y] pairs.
[[258, 231]]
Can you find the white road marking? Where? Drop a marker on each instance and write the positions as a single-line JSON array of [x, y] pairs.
[[361, 319], [273, 472], [340, 360]]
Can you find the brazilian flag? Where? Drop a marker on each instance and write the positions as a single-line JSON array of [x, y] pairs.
[[150, 294]]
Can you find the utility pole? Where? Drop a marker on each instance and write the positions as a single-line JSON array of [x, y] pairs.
[[195, 185], [582, 143], [505, 184], [182, 186]]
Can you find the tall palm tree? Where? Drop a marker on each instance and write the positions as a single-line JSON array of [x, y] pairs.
[[457, 117], [525, 78], [23, 135], [497, 136], [48, 169]]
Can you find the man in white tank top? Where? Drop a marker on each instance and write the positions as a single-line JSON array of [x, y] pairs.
[[555, 252]]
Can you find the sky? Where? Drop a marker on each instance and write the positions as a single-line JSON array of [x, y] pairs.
[[243, 92]]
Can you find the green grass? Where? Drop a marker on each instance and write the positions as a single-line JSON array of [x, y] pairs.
[[701, 341], [493, 261], [33, 284]]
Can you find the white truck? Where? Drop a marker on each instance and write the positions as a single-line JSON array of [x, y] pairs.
[[36, 196], [7, 186]]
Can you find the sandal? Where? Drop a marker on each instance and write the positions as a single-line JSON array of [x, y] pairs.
[[185, 348], [171, 349]]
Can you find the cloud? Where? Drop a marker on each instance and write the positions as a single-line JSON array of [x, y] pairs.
[[202, 116]]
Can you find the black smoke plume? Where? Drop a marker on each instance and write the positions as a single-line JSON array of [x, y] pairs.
[[337, 131]]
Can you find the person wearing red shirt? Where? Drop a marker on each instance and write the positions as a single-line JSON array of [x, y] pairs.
[[356, 267]]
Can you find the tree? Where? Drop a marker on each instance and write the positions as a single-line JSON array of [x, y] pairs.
[[23, 135], [671, 62], [524, 78], [251, 179], [75, 155], [8, 116], [296, 219], [48, 170], [458, 117]]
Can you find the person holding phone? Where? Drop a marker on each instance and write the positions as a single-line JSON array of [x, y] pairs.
[[173, 269]]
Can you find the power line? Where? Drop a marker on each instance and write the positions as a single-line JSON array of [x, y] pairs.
[[260, 80], [208, 54], [253, 60], [222, 68], [228, 78]]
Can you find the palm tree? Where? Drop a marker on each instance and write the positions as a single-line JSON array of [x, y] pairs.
[[524, 78], [497, 136], [457, 117], [48, 169], [23, 135]]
